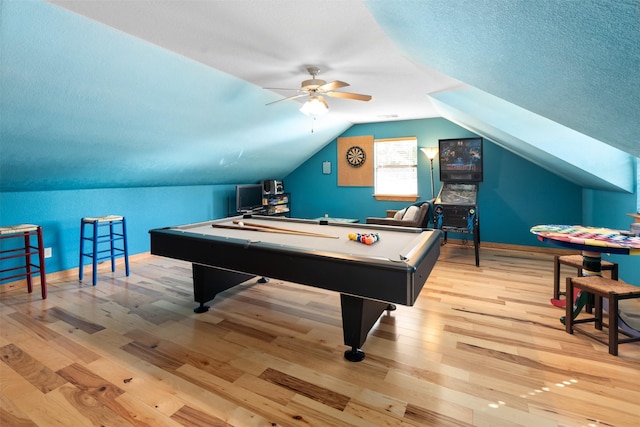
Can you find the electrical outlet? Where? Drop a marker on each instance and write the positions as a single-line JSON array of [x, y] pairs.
[[47, 252]]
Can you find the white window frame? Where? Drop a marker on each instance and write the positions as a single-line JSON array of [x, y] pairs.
[[412, 168]]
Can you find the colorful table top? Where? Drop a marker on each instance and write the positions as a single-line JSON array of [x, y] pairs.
[[596, 239]]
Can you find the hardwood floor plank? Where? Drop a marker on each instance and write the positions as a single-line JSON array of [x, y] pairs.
[[150, 355], [97, 395], [263, 408], [280, 395], [304, 388], [145, 391], [92, 408], [41, 377], [33, 325], [189, 417], [185, 355], [375, 417], [204, 337], [75, 321], [72, 350], [247, 331], [291, 308], [370, 405], [47, 356], [87, 381], [481, 346], [428, 417], [143, 414], [10, 415], [54, 409]]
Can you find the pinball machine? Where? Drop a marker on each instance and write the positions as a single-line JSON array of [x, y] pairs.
[[456, 207]]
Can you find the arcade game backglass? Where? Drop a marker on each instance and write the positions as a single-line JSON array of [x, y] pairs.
[[456, 207]]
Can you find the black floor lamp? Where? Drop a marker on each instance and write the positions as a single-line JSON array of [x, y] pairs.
[[431, 154]]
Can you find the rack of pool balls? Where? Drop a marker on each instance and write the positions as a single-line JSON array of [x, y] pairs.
[[367, 239]]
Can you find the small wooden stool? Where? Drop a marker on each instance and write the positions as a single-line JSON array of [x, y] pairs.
[[601, 287], [575, 261], [98, 243], [26, 250]]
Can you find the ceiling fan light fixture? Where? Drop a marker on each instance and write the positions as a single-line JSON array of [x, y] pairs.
[[315, 106]]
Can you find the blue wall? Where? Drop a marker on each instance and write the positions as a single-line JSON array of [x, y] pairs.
[[59, 213], [315, 194], [514, 196]]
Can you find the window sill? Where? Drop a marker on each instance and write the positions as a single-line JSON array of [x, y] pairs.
[[396, 197]]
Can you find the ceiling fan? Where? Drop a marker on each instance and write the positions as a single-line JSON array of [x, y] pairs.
[[315, 88]]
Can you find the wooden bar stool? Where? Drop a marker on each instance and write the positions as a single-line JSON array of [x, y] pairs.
[[575, 261], [614, 291], [26, 249], [103, 240]]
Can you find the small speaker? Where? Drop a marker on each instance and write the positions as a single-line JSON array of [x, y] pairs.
[[272, 186]]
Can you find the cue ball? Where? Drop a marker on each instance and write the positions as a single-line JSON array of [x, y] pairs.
[[241, 224]]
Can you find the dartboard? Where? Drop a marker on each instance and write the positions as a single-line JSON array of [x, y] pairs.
[[355, 156]]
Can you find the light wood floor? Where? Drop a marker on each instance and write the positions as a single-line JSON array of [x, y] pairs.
[[481, 347]]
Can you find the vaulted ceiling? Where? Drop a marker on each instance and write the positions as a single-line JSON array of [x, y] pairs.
[[109, 93]]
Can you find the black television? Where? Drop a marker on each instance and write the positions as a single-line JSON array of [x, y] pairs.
[[460, 160], [249, 198]]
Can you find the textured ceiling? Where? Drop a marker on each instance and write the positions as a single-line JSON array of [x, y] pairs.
[[269, 43], [576, 63], [171, 93], [576, 157]]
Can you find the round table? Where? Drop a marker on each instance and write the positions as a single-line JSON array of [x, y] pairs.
[[592, 241], [589, 239]]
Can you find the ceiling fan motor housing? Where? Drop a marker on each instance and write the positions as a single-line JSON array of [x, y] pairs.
[[312, 84]]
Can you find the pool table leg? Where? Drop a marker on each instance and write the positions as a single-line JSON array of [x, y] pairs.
[[210, 281], [358, 317]]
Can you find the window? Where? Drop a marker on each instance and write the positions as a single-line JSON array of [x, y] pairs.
[[396, 168]]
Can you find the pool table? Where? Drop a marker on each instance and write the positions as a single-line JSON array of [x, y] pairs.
[[370, 278]]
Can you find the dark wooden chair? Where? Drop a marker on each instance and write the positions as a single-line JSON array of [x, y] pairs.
[[575, 261], [601, 287]]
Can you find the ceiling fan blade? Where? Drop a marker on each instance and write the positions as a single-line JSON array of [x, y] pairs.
[[288, 98], [331, 86], [348, 95]]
